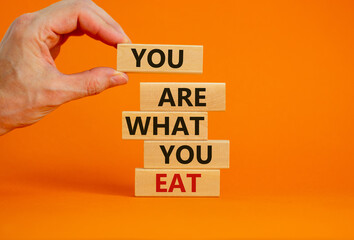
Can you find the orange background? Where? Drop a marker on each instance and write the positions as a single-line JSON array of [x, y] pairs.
[[288, 68]]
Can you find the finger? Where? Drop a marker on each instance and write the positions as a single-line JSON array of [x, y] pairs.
[[91, 82], [94, 26], [68, 16], [109, 20]]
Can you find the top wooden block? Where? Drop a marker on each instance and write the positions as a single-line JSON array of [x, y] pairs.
[[159, 58]]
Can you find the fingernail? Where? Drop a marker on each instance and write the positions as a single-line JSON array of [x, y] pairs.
[[126, 39], [119, 78]]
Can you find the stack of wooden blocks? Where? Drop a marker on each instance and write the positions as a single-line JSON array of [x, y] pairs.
[[179, 160]]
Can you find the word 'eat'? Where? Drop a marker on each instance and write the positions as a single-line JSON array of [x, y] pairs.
[[176, 182]]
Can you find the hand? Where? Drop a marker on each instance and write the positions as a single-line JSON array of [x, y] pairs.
[[30, 84]]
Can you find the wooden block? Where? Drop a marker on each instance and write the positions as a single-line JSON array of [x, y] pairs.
[[159, 58], [182, 96], [177, 182], [187, 154], [165, 125]]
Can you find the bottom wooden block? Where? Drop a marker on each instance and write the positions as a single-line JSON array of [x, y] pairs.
[[177, 182]]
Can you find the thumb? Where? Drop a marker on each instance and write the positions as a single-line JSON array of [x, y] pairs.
[[92, 82]]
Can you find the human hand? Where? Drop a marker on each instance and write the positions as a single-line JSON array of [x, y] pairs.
[[30, 84]]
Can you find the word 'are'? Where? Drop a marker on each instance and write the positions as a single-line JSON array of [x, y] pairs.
[[183, 95]]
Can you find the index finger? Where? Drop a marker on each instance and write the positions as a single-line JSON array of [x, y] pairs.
[[69, 16], [106, 17]]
